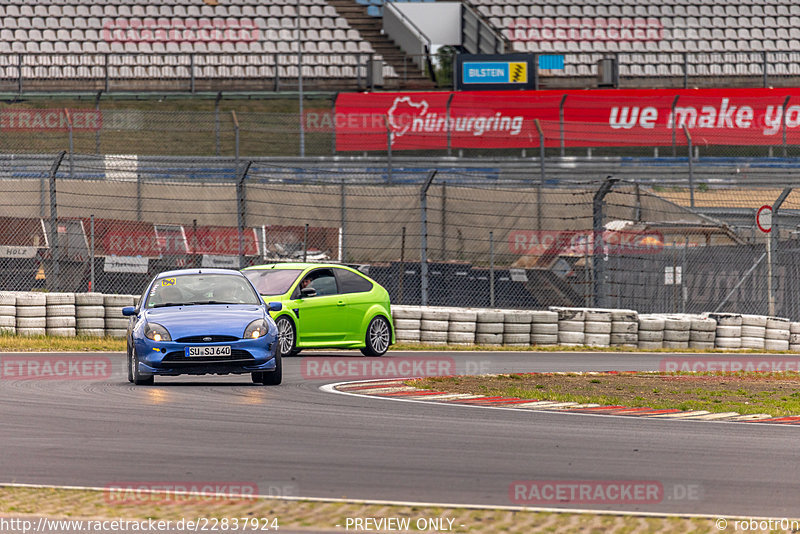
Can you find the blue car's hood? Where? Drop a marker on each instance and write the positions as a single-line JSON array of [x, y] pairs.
[[219, 319]]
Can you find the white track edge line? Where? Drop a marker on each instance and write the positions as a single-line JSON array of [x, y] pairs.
[[399, 503], [331, 388]]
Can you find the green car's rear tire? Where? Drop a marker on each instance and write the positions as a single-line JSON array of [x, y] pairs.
[[378, 338], [287, 336]]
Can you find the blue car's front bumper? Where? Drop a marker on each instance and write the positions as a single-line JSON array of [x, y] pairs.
[[169, 357]]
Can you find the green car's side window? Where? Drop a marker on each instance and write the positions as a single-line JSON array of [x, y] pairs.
[[350, 282], [322, 280]]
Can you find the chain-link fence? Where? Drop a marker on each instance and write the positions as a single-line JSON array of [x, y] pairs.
[[442, 232]]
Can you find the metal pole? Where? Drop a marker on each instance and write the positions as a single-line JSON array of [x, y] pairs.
[[541, 176], [54, 220], [402, 266], [97, 132], [597, 238], [561, 122], [91, 254], [305, 244], [443, 251], [491, 269], [691, 166], [71, 142], [783, 123], [194, 242], [423, 196], [217, 141], [449, 130], [343, 219], [388, 148], [675, 125], [300, 84], [772, 247], [240, 208], [235, 138]]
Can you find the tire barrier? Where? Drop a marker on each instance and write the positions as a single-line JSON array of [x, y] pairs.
[[95, 314], [8, 313], [60, 314]]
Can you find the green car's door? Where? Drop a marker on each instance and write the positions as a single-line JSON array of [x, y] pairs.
[[320, 317], [355, 290]]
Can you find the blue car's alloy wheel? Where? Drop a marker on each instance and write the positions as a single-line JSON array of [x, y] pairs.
[[378, 337]]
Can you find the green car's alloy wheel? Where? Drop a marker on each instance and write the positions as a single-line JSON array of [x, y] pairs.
[[379, 336], [286, 336]]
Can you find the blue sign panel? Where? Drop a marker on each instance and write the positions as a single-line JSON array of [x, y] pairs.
[[481, 72], [495, 72], [554, 62]]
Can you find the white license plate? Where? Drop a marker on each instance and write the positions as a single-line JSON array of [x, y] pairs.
[[217, 350]]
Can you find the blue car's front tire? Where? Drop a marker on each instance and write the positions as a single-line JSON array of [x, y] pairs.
[[134, 375], [273, 378]]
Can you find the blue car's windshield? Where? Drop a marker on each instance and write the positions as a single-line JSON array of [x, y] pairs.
[[191, 289], [272, 281]]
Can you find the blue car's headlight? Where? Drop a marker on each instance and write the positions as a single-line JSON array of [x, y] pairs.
[[256, 329], [156, 332]]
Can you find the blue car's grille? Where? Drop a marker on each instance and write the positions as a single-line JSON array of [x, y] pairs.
[[237, 356], [205, 339]]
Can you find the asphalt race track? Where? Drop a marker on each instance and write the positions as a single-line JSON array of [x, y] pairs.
[[297, 440]]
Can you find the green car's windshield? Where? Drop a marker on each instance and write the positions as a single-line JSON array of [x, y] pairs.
[[272, 281], [191, 289]]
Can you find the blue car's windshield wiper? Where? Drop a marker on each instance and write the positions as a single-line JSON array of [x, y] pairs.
[[211, 302], [169, 304]]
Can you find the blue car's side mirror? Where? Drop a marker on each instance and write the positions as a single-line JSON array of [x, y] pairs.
[[275, 306], [127, 311]]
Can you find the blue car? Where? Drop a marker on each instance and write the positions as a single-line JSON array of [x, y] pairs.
[[202, 321]]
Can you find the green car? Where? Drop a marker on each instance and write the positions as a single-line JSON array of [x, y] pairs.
[[325, 306]]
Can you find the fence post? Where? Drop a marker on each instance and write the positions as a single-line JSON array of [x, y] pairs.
[[106, 73], [91, 254], [783, 123], [491, 269], [402, 266], [691, 166], [443, 251], [241, 208], [597, 239], [561, 122], [71, 142], [235, 138], [305, 243], [97, 131], [449, 130], [217, 141], [343, 218], [300, 82], [423, 267], [388, 148], [674, 125], [773, 242], [541, 175], [54, 252]]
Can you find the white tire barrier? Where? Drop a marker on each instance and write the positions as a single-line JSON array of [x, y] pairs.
[[781, 335], [597, 340], [754, 320], [794, 327], [728, 342], [729, 331], [435, 315], [8, 299], [61, 332], [463, 316], [677, 324], [571, 326], [727, 319], [407, 324], [754, 331], [516, 340], [90, 323], [31, 322], [776, 344], [701, 345], [489, 328], [517, 317], [31, 299], [702, 336], [681, 336], [490, 316], [544, 339], [31, 311], [752, 342], [544, 317], [89, 299], [624, 316], [60, 310], [624, 339], [625, 327], [547, 329], [651, 336], [433, 336], [30, 332], [434, 325], [407, 336], [597, 327], [570, 338], [517, 328], [667, 344], [700, 324], [778, 323], [467, 338], [597, 316], [489, 339], [116, 324], [569, 314], [53, 299], [651, 324], [59, 322], [90, 311]]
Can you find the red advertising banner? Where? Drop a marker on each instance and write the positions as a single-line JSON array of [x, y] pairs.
[[506, 119]]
